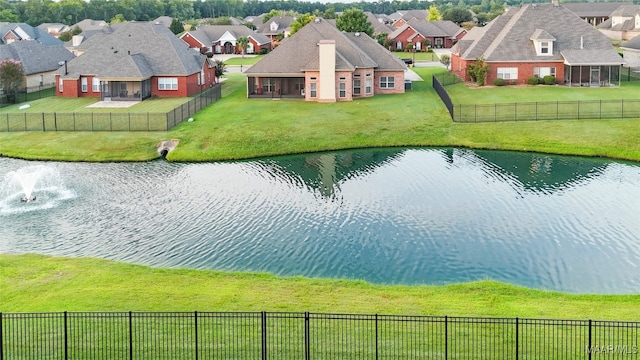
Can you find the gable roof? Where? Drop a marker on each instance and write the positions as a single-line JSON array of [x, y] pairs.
[[135, 50], [379, 27], [283, 23], [633, 44], [593, 9], [89, 24], [507, 38], [429, 28], [409, 14], [209, 34], [35, 57], [299, 52], [29, 33]]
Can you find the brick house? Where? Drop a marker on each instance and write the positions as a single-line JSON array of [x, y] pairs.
[[623, 23], [136, 61], [417, 31], [223, 39], [539, 40], [321, 63]]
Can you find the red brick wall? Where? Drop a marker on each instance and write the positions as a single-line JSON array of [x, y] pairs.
[[398, 82], [525, 70], [71, 88], [192, 42], [403, 37]]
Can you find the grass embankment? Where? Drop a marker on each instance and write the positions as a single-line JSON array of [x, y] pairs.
[[40, 283], [237, 128]]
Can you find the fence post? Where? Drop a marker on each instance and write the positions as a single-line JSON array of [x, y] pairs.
[[25, 121], [264, 335], [44, 128], [195, 325], [377, 337], [517, 339], [307, 341], [130, 336], [589, 348], [1, 338], [622, 109], [66, 337], [446, 337]]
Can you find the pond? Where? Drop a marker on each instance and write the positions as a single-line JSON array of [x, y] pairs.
[[390, 216]]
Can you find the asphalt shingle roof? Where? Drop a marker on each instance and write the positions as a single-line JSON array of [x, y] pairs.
[[593, 9], [299, 52], [208, 34], [135, 50], [35, 57], [33, 33], [508, 38]]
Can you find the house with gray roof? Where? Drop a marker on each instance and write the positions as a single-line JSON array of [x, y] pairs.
[[39, 62], [275, 26], [12, 32], [593, 12], [136, 61], [55, 29], [320, 63], [631, 51], [90, 24], [380, 23], [223, 39], [401, 17], [623, 24], [539, 40], [419, 31]]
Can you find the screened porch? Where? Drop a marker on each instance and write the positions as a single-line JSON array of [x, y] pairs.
[[592, 76], [125, 90], [275, 87]]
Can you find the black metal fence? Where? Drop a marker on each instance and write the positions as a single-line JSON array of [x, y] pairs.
[[27, 94], [274, 335], [443, 94], [548, 110], [94, 121]]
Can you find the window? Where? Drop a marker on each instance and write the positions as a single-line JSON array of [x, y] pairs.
[[343, 90], [387, 82], [95, 84], [298, 84], [41, 79], [60, 88], [356, 86], [367, 85], [544, 71], [544, 47], [167, 83], [399, 45], [508, 73], [268, 85], [83, 81], [313, 90]]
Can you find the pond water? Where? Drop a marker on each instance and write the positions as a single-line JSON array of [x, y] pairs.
[[392, 216]]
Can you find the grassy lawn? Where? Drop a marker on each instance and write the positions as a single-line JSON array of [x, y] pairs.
[[238, 128], [62, 105], [247, 60], [41, 283], [462, 94]]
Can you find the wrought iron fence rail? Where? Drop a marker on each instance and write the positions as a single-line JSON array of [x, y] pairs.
[[112, 121], [292, 335]]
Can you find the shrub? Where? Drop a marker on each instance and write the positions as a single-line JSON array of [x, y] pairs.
[[263, 51], [532, 80], [549, 80], [499, 82]]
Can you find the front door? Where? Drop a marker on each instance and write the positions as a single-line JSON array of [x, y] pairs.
[[595, 76]]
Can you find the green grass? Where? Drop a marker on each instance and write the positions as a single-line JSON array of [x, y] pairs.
[[41, 283], [66, 105], [247, 60], [239, 128]]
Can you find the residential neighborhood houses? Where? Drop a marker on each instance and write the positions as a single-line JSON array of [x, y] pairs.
[[536, 40], [533, 40], [328, 66], [136, 61], [39, 53]]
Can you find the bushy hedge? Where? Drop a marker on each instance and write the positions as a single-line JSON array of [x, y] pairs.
[[532, 80], [499, 82], [549, 80]]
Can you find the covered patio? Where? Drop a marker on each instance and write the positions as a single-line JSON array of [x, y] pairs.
[[275, 87], [124, 90], [592, 75]]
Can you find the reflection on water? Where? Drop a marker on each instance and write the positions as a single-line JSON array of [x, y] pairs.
[[408, 216]]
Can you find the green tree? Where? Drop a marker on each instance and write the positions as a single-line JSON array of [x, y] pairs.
[[478, 71], [243, 42], [221, 68], [7, 15], [271, 14], [176, 26], [11, 76], [354, 20], [457, 15], [301, 21], [434, 14], [329, 13], [119, 18], [445, 60]]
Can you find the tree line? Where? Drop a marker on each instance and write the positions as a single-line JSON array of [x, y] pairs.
[[35, 12]]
